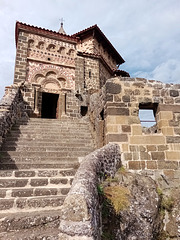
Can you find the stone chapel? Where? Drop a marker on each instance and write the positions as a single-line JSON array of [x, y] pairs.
[[60, 71]]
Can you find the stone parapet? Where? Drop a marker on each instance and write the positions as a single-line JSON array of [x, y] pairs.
[[80, 215], [11, 109]]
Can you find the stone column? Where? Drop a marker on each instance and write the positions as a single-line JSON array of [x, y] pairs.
[[36, 110], [63, 104]]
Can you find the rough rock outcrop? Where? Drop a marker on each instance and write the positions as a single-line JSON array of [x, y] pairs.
[[140, 220]]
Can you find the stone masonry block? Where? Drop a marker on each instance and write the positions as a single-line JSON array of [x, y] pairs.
[[135, 155], [144, 156], [6, 204], [116, 120], [167, 131], [113, 88], [22, 192], [121, 119], [117, 111], [117, 138], [147, 139], [124, 147], [126, 128], [166, 115], [168, 107], [133, 148], [133, 120], [163, 123], [158, 155], [136, 165], [151, 164], [172, 139], [112, 128], [39, 182], [174, 93], [162, 148], [151, 148], [136, 129], [167, 165], [127, 156], [173, 155]]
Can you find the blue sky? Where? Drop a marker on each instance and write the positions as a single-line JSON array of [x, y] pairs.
[[145, 32]]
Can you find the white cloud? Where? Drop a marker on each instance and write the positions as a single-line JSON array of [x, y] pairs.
[[146, 33], [168, 72]]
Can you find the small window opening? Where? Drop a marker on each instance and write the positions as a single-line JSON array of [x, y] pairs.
[[90, 74], [84, 110], [102, 114], [49, 59], [147, 113]]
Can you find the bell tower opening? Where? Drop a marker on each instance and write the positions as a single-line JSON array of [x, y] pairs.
[[49, 105]]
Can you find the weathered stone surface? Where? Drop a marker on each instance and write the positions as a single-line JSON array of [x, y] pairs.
[[59, 180], [39, 182], [158, 155], [174, 93], [80, 213], [8, 183], [6, 204], [45, 191], [113, 88], [140, 219], [24, 173], [22, 193], [117, 138], [118, 111], [33, 221]]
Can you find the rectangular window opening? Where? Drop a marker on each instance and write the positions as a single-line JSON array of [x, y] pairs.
[[147, 114]]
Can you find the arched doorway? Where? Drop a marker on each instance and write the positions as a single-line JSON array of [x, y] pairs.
[[49, 96]]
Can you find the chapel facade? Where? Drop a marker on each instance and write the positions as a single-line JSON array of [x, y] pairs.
[[60, 72]]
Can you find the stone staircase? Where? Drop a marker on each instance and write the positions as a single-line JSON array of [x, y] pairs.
[[37, 164]]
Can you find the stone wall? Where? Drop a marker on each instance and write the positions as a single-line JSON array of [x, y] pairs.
[[11, 109], [92, 46], [140, 149], [80, 215], [96, 117], [21, 58]]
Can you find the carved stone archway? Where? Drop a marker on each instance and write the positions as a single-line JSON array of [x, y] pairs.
[[49, 82]]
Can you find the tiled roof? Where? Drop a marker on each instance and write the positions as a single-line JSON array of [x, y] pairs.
[[99, 34], [43, 31]]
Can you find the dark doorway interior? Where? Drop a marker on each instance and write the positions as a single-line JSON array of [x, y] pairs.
[[49, 105]]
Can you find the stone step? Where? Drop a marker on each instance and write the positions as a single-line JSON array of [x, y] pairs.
[[75, 128], [45, 149], [50, 120], [45, 135], [51, 126], [13, 155], [30, 225], [31, 203], [64, 160], [35, 182], [23, 143], [67, 172], [8, 193], [50, 138], [48, 142], [24, 165], [42, 232]]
